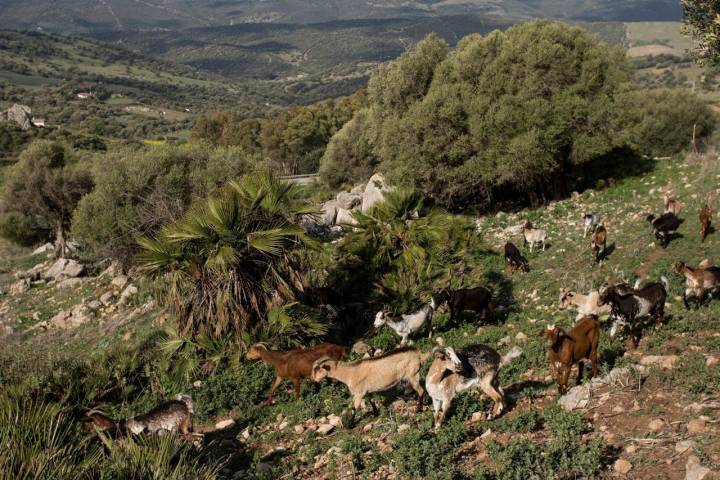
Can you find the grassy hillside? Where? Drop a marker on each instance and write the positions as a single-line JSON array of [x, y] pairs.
[[534, 439]]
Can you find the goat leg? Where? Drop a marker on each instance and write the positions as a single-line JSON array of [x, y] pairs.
[[276, 384], [581, 367], [296, 382]]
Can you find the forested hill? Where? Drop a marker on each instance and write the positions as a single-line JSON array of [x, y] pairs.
[[86, 16]]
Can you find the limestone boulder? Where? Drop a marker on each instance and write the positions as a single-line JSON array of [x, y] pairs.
[[374, 192]]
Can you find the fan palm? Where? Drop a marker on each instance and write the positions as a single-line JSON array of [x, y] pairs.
[[231, 258]]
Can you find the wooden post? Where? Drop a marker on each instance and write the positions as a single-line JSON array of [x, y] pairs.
[[694, 145]]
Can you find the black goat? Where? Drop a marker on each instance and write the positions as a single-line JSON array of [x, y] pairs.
[[664, 227], [628, 308], [514, 259], [478, 300]]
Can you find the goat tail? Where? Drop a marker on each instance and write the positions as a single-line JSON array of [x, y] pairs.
[[510, 356], [187, 400], [665, 282]]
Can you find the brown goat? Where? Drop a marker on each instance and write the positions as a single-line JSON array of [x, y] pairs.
[[705, 219], [598, 244], [98, 421], [697, 281], [567, 349], [294, 365], [672, 205]]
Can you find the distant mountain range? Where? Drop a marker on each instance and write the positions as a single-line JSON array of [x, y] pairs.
[[92, 16]]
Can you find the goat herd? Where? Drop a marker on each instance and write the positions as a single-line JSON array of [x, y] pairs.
[[476, 366]]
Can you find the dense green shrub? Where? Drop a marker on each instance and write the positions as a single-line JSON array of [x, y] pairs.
[[139, 190], [41, 192]]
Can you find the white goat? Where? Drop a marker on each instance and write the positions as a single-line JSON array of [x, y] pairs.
[[409, 323], [374, 374], [454, 372], [591, 221], [533, 236], [586, 304]]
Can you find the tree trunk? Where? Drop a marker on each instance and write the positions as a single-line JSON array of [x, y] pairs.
[[60, 243]]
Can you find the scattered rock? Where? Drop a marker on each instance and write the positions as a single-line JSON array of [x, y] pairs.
[[696, 426], [64, 268], [69, 283], [361, 348], [334, 420], [694, 469], [283, 425], [684, 446], [374, 192], [328, 213], [344, 217], [130, 291], [120, 281], [348, 200], [478, 417], [656, 425], [19, 287], [20, 115], [622, 466], [106, 298], [197, 383], [222, 425], [630, 449], [664, 361], [404, 427], [521, 337], [48, 248], [711, 361], [576, 398], [325, 429], [95, 305], [504, 341], [113, 270], [618, 409], [245, 434], [299, 429]]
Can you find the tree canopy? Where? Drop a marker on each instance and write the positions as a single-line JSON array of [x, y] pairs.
[[702, 21]]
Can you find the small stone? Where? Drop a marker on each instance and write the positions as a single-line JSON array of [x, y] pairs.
[[521, 337], [120, 281], [404, 427], [664, 361], [656, 425], [245, 434], [69, 283], [618, 409], [361, 348], [106, 298], [334, 420], [630, 449], [129, 291], [94, 305], [368, 427], [225, 424], [694, 469], [283, 426], [486, 433], [504, 341], [197, 383], [696, 426], [477, 417], [684, 446], [325, 429], [711, 361], [299, 429], [622, 466]]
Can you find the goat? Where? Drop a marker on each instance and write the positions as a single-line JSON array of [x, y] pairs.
[[293, 365], [591, 222], [567, 349], [586, 304], [409, 323], [478, 299], [532, 236], [705, 220], [374, 374], [672, 205], [454, 372], [598, 244], [697, 281], [95, 420], [664, 227], [628, 308], [514, 259], [168, 417]]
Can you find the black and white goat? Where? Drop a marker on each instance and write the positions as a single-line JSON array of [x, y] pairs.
[[454, 372], [664, 227], [514, 259], [628, 308], [409, 323], [478, 300], [591, 221]]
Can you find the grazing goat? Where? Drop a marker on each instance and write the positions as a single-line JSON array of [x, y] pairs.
[[374, 374], [672, 205], [586, 304], [172, 416], [705, 220], [629, 308], [567, 349], [533, 236], [514, 259], [97, 421], [454, 372], [697, 281], [293, 365], [409, 323], [664, 227], [478, 300], [591, 222], [598, 244]]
